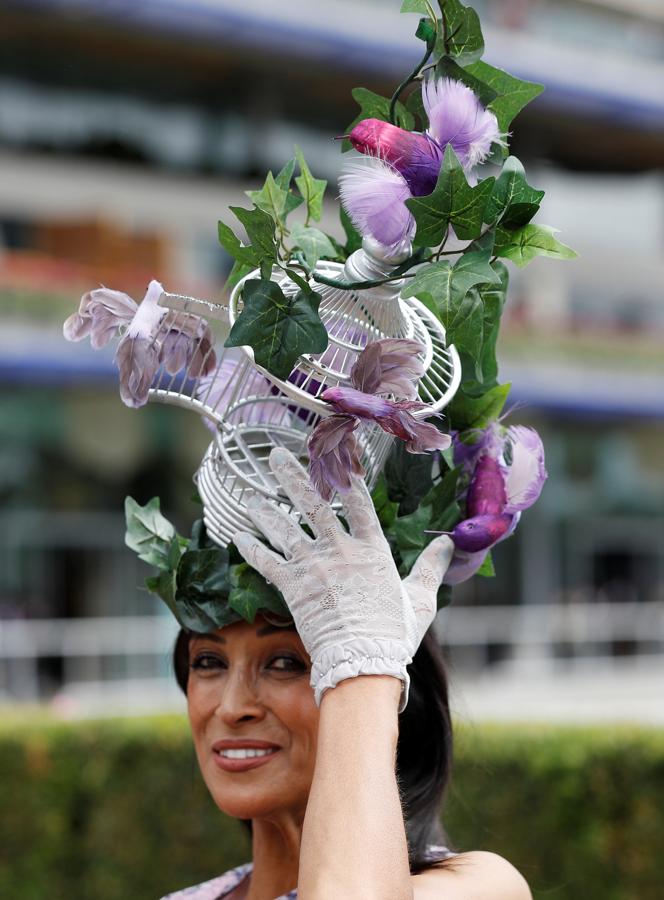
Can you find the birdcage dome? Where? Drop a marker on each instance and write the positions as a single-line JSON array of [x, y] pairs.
[[250, 411]]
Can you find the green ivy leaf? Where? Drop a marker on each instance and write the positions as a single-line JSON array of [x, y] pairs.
[[477, 412], [493, 298], [452, 202], [408, 477], [386, 509], [442, 499], [513, 200], [415, 6], [373, 106], [272, 198], [260, 229], [486, 570], [313, 243], [312, 189], [513, 93], [461, 35], [278, 328], [204, 615], [410, 537], [237, 273], [244, 255], [148, 533], [250, 593], [449, 68], [523, 244], [163, 585], [203, 573], [457, 305], [202, 586], [446, 282]]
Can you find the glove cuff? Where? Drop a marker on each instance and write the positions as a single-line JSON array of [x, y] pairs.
[[364, 656]]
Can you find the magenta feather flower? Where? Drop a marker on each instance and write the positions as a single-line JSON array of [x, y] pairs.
[[417, 157], [402, 164]]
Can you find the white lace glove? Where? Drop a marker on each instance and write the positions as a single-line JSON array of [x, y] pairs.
[[353, 612]]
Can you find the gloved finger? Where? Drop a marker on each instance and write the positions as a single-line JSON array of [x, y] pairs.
[[281, 529], [295, 482], [359, 511], [260, 557], [426, 577]]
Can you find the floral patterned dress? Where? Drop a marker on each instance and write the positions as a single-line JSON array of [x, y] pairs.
[[220, 887]]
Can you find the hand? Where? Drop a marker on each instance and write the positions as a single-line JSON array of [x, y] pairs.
[[353, 612]]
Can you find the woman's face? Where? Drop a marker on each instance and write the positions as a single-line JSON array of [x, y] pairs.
[[253, 718]]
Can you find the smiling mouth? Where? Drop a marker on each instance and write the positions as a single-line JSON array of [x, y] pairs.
[[245, 753]]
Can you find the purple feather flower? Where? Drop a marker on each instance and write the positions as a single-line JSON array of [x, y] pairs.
[[153, 337], [390, 366], [401, 164], [100, 314]]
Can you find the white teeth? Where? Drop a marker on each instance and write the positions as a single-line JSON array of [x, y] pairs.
[[245, 753]]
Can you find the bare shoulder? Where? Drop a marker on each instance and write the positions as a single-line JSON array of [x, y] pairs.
[[478, 875]]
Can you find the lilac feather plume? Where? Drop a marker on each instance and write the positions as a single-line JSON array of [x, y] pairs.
[[457, 117], [373, 194]]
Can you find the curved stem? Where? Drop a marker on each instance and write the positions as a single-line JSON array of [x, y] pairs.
[[399, 272], [413, 75]]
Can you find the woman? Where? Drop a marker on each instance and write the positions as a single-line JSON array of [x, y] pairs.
[[297, 728]]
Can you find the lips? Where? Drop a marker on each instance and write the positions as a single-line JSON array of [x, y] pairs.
[[242, 754]]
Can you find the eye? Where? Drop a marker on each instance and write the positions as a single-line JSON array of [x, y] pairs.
[[286, 663], [206, 662]]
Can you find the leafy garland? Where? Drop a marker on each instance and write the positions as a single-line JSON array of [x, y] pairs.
[[206, 586]]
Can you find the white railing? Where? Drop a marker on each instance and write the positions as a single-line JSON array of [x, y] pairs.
[[102, 656]]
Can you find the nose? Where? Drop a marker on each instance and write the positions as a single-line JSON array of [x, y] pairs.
[[240, 701]]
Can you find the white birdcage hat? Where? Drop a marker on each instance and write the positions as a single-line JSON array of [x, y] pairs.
[[251, 411]]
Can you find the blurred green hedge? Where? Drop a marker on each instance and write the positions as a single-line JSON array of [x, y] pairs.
[[116, 809]]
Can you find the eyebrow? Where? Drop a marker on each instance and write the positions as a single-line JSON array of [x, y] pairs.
[[262, 632]]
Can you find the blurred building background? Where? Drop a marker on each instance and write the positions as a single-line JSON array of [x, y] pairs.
[[126, 129]]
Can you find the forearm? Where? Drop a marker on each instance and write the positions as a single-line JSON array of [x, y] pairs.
[[354, 841]]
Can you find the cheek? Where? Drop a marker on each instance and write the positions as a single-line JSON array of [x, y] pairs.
[[201, 704], [298, 712]]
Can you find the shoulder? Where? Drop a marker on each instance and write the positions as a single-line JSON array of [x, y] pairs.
[[213, 889], [478, 874]]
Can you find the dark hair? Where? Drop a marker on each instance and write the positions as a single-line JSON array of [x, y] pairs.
[[424, 748]]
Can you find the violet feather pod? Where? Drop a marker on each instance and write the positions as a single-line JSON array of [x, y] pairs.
[[186, 343]]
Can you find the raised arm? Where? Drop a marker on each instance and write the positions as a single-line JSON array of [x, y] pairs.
[[361, 626]]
